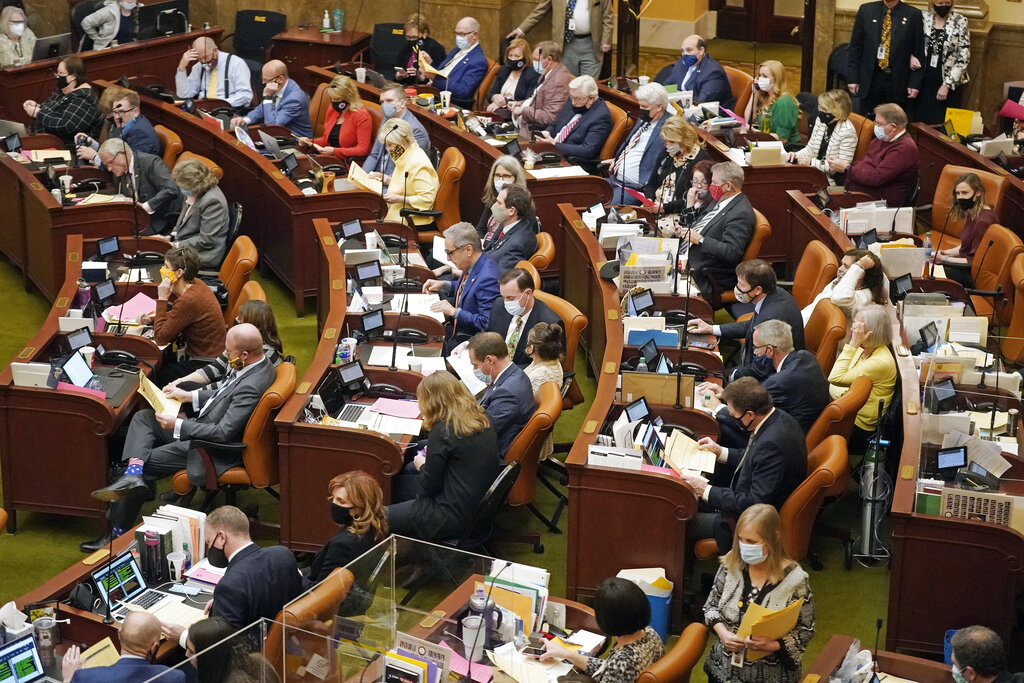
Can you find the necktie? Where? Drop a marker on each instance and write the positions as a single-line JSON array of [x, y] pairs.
[[883, 63], [570, 34], [232, 376], [458, 300], [621, 159], [211, 87], [567, 128], [703, 222], [492, 227], [513, 340], [743, 459]]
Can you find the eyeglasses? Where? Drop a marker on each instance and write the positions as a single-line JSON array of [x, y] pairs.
[[701, 183], [504, 176], [449, 253], [466, 34]]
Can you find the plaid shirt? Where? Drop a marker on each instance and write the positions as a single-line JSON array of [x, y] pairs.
[[64, 115]]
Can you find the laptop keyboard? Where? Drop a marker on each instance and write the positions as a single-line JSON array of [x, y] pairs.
[[109, 385], [351, 413], [148, 599]]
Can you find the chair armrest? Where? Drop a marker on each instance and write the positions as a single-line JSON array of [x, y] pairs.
[[420, 212], [788, 284], [984, 292]]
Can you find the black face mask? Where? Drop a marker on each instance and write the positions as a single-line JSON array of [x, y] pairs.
[[217, 557], [943, 10], [826, 117], [516, 64], [340, 106], [965, 203], [341, 515], [62, 82], [645, 115], [579, 110]]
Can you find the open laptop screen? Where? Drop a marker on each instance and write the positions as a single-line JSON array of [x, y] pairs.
[[121, 582], [19, 661]]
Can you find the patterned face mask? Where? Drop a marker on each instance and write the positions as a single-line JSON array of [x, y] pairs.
[[396, 152]]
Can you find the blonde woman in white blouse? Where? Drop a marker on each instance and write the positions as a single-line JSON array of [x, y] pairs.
[[16, 39], [833, 134], [544, 345]]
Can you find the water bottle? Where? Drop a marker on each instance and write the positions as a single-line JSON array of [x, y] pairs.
[[928, 246], [766, 122], [154, 575], [338, 17], [84, 294], [187, 564], [484, 607], [641, 365]]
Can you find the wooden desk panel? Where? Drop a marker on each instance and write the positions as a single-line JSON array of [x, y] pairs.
[[892, 663], [807, 223], [298, 47]]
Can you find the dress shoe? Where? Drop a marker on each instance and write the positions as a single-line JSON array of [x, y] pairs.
[[173, 498], [96, 544], [120, 489]]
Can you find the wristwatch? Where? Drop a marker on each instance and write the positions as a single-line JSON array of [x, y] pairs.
[[701, 240]]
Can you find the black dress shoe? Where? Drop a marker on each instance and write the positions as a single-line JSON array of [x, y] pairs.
[[120, 489], [96, 544]]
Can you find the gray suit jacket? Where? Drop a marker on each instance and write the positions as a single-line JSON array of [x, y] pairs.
[[206, 228], [155, 187]]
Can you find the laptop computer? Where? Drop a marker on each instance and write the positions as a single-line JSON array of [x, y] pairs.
[[271, 148], [20, 662], [49, 47], [116, 384], [122, 586], [337, 387]]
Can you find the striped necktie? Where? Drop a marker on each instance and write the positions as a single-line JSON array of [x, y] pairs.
[[621, 159], [567, 128]]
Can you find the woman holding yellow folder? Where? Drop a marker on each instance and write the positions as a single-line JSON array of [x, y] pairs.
[[757, 571]]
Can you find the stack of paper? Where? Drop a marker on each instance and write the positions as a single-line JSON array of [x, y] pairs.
[[133, 309], [771, 624], [419, 304], [683, 454], [521, 590], [612, 232], [361, 178]]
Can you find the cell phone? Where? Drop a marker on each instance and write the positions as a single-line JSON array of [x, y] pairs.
[[533, 651], [702, 344]]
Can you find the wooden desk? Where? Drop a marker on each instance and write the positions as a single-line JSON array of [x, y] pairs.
[[158, 57], [29, 441], [892, 663], [298, 47], [808, 223]]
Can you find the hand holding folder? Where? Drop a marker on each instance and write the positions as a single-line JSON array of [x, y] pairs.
[[768, 623]]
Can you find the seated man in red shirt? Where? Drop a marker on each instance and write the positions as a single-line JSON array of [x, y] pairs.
[[889, 169]]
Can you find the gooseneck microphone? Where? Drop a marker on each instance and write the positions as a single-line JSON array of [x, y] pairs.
[[935, 252]]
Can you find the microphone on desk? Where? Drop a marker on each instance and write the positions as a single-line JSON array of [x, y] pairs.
[[684, 336], [468, 678], [987, 247], [935, 252], [874, 655], [398, 326]]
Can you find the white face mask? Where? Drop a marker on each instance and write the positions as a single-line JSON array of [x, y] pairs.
[[764, 83], [461, 42], [499, 183], [129, 5], [514, 307], [752, 553], [17, 28], [672, 149]]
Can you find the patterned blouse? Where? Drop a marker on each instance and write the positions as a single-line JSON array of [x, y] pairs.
[[954, 54], [540, 372], [626, 663]]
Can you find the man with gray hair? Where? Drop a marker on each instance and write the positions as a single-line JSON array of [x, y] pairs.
[[889, 169], [465, 303], [637, 157], [146, 179], [794, 379], [216, 75], [584, 124]]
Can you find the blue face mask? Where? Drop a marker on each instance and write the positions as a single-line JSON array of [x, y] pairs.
[[479, 374], [461, 42], [127, 126], [752, 553], [537, 67], [763, 366], [689, 60], [388, 109], [880, 132]]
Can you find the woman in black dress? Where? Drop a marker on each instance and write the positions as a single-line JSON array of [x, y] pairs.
[[357, 505]]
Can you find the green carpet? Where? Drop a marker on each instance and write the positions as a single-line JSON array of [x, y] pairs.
[[846, 602]]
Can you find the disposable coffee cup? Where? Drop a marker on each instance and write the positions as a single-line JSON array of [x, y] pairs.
[[176, 562], [361, 74], [473, 638], [644, 80], [416, 364], [88, 352], [65, 183], [446, 98]]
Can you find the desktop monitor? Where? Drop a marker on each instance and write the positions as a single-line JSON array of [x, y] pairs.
[[642, 301], [107, 247], [351, 229], [368, 271], [900, 287], [162, 18], [12, 143], [51, 47], [373, 322], [104, 292], [291, 164], [638, 410], [352, 376]]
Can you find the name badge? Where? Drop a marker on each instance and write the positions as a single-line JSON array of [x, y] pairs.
[[934, 62], [881, 52], [572, 24]]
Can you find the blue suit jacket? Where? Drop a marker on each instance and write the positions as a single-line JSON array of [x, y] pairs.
[[129, 670], [465, 77], [518, 243], [478, 295], [590, 133], [380, 160], [709, 83], [141, 137], [653, 152], [509, 403], [292, 111]]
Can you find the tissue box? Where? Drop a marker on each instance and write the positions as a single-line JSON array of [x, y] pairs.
[[12, 634]]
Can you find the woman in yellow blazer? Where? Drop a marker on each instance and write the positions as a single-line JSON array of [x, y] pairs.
[[413, 184], [867, 355]]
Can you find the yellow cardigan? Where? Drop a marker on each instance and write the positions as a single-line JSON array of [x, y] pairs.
[[421, 185], [879, 367]]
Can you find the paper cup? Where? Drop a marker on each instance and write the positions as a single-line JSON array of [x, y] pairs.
[[361, 74], [473, 638], [65, 183], [644, 80], [416, 364], [176, 561], [446, 98], [88, 353]]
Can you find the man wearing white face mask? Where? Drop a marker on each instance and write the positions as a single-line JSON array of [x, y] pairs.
[[113, 22], [513, 238], [508, 398], [394, 104], [284, 103], [17, 41], [464, 67], [979, 656], [889, 169]]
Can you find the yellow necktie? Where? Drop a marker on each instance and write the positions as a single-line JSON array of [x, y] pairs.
[[883, 63], [211, 89]]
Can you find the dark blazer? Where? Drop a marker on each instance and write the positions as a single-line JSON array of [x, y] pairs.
[[779, 305], [130, 670], [509, 403], [206, 228], [517, 242], [524, 87], [430, 46], [907, 40], [590, 133], [683, 179], [478, 295], [155, 187], [799, 388], [140, 136], [654, 150], [725, 240], [465, 78], [343, 547], [709, 82], [257, 583], [500, 320], [483, 224]]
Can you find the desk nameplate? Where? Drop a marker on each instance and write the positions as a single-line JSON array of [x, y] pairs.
[[303, 388], [330, 332], [27, 352]]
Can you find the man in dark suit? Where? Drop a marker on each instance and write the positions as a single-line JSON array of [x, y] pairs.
[[513, 240], [886, 35], [147, 179], [795, 381], [466, 302], [159, 445], [698, 72], [756, 284], [770, 468], [584, 124], [130, 125], [508, 398], [520, 311], [723, 230], [140, 640], [639, 155], [257, 581]]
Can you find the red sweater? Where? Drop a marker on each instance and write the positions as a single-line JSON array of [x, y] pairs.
[[887, 171], [355, 136]]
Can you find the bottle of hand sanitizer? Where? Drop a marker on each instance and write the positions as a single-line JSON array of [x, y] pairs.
[[327, 21]]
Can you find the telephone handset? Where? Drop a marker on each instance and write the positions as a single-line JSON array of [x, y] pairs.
[[678, 317], [409, 335], [405, 284], [382, 390], [118, 358], [394, 241]]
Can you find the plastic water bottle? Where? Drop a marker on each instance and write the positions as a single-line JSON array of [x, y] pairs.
[[187, 564], [327, 21], [928, 246], [641, 365]]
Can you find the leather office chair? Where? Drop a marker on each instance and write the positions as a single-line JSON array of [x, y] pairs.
[[1012, 344], [306, 616], [254, 31], [762, 231], [251, 291], [485, 85], [946, 234], [865, 128], [171, 143], [217, 170], [838, 416], [318, 105], [740, 82], [817, 267], [234, 271], [258, 448], [376, 117], [620, 124], [545, 254], [3, 520], [386, 43], [525, 450], [824, 330], [677, 664], [990, 270], [446, 203]]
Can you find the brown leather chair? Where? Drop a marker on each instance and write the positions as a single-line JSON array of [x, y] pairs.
[[251, 291], [545, 254], [376, 116], [824, 330], [450, 170], [620, 123], [532, 270], [677, 664], [946, 234], [838, 416], [234, 271], [741, 84], [318, 105], [171, 142], [185, 156], [990, 270], [305, 618], [258, 447], [526, 451], [865, 128], [3, 520], [762, 231], [1012, 344], [817, 267], [485, 85]]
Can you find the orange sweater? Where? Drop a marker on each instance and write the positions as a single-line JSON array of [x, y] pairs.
[[196, 318], [355, 136]]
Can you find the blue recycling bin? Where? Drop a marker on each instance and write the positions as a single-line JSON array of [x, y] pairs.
[[660, 614]]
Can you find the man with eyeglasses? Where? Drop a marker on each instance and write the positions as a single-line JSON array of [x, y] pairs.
[[584, 124], [131, 125], [465, 66], [216, 75], [284, 103], [145, 178]]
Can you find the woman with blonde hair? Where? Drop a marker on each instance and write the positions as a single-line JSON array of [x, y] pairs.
[[833, 134], [203, 221], [454, 471], [970, 207], [357, 506], [516, 79], [773, 108], [506, 170], [17, 41], [684, 149], [415, 181], [757, 570], [348, 128]]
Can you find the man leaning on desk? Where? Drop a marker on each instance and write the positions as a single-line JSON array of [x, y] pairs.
[[284, 103], [140, 640], [216, 75], [146, 179]]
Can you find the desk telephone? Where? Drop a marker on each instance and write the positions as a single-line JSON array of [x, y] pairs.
[[677, 317], [405, 284], [407, 335], [382, 390]]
